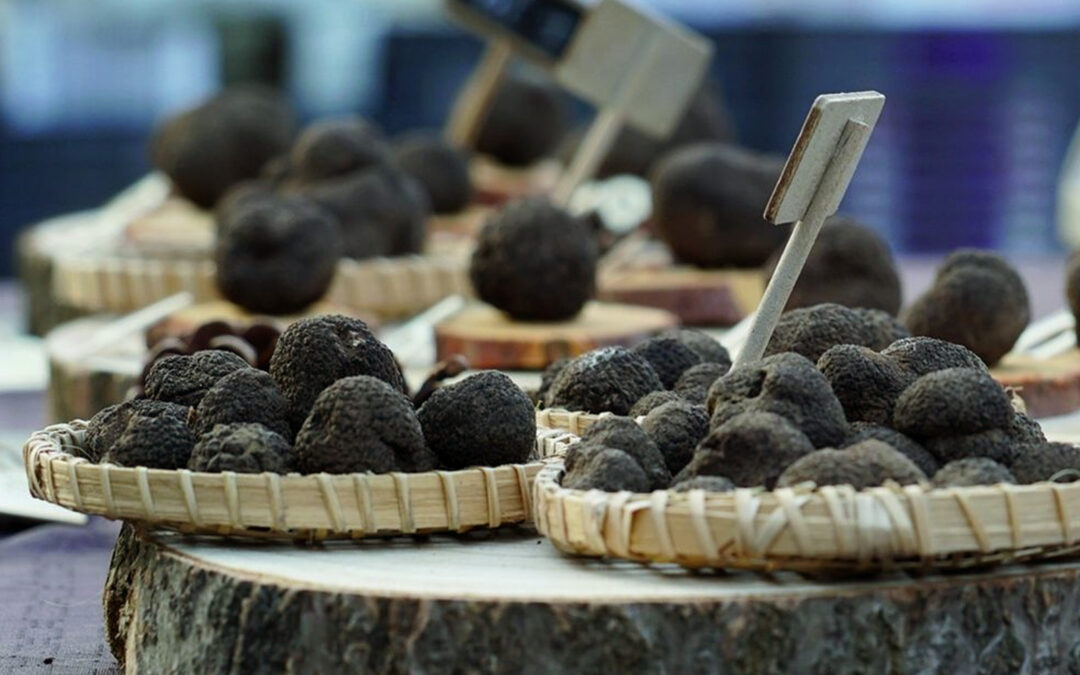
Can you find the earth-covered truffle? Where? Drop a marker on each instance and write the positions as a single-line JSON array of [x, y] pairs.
[[186, 379], [923, 355], [527, 117], [482, 420], [276, 256], [908, 447], [668, 356], [623, 433], [950, 402], [750, 449], [161, 442], [694, 383], [442, 170], [866, 464], [676, 428], [972, 471], [1058, 462], [977, 300], [651, 401], [608, 469], [243, 448], [811, 331], [707, 483], [109, 423], [534, 261], [244, 395], [313, 353], [610, 379], [866, 383], [360, 424]]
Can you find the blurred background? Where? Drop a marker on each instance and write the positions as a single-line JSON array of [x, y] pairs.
[[983, 96]]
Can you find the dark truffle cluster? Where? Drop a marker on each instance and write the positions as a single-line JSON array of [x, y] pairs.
[[811, 331], [186, 379], [158, 442], [676, 428], [750, 449], [244, 395], [527, 117], [442, 170], [106, 427], [978, 300], [616, 454], [254, 343], [534, 261], [610, 379]]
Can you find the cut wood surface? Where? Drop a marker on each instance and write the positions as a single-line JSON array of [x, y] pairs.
[[1049, 386], [489, 339], [507, 601], [698, 297]]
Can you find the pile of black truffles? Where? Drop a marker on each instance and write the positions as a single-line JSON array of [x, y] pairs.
[[334, 401]]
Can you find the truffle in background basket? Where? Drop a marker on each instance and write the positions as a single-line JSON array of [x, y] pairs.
[[527, 117], [442, 170]]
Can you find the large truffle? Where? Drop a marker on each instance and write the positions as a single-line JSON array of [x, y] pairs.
[[972, 471], [482, 420], [313, 353], [161, 442], [708, 201], [751, 449], [1047, 461], [651, 401], [360, 424], [534, 261], [109, 423], [244, 395], [811, 331], [276, 256], [442, 170], [785, 384], [209, 148], [243, 448], [908, 447], [668, 356], [952, 401], [995, 444], [866, 464], [527, 117], [866, 383], [622, 433], [186, 379], [850, 265], [676, 428], [603, 468], [610, 379], [924, 355], [694, 383], [977, 300]]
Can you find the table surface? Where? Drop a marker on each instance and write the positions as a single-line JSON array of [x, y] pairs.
[[51, 576]]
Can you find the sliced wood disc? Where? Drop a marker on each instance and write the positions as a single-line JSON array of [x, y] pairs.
[[698, 297], [1049, 386], [508, 602], [489, 339]]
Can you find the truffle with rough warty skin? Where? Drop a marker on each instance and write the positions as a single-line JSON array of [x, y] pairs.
[[668, 356], [908, 447], [701, 343], [811, 331], [866, 383], [921, 355], [676, 428], [244, 395], [751, 449], [972, 471], [623, 433], [109, 423], [603, 468], [651, 401], [1037, 462], [161, 442], [694, 383], [953, 401], [245, 447], [610, 379], [186, 379], [866, 464]]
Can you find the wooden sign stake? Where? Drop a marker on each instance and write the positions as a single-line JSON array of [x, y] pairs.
[[470, 109], [810, 189]]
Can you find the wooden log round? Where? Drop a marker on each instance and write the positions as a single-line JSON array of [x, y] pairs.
[[1049, 386], [489, 339], [698, 297], [506, 601]]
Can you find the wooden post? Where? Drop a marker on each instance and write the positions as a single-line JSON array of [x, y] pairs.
[[471, 107], [810, 189]]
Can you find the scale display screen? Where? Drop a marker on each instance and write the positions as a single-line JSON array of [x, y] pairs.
[[548, 25]]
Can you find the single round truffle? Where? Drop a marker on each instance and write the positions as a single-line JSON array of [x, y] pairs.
[[850, 265], [243, 448], [608, 469], [668, 356], [708, 201], [534, 261], [924, 355], [651, 401], [1024, 430], [977, 300], [527, 117], [360, 424], [313, 353], [950, 402], [866, 464], [186, 379], [623, 433], [442, 170], [676, 428], [109, 423], [244, 395], [161, 442], [210, 148], [694, 383], [972, 471], [995, 444], [811, 331], [908, 447], [335, 147], [482, 420], [707, 483], [610, 379], [866, 383], [751, 449], [701, 343], [1037, 462], [276, 256]]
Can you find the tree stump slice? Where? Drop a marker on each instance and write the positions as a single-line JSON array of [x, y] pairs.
[[489, 339], [80, 385], [1049, 386], [506, 601], [698, 297]]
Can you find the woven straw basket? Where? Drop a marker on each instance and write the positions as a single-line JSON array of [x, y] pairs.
[[389, 287], [573, 421], [834, 528], [294, 506]]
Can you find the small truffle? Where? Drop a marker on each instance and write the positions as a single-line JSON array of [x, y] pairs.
[[702, 344], [442, 170], [527, 117], [977, 300], [924, 355], [244, 395], [276, 256], [972, 471], [707, 204], [866, 383], [850, 265], [610, 379], [995, 444], [1059, 462], [707, 483], [186, 379], [623, 433], [161, 442], [951, 402], [243, 448], [676, 428], [482, 420], [534, 261], [109, 423], [866, 464], [669, 357], [751, 449], [694, 383], [313, 353], [811, 331], [651, 401], [335, 147], [608, 469], [908, 447], [360, 424]]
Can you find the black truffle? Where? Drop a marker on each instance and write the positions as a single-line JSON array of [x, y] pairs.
[[785, 384], [850, 265], [547, 377], [610, 379], [924, 355], [751, 449], [186, 379], [866, 464], [109, 423], [669, 357], [442, 170], [1024, 430], [708, 200], [995, 444], [623, 433], [707, 483], [603, 468], [244, 395], [336, 147], [1037, 462], [210, 148], [951, 402], [702, 344], [811, 331], [694, 383], [527, 117], [977, 300], [161, 442], [972, 471], [651, 401], [534, 261], [482, 420], [908, 447], [362, 424], [243, 448], [866, 383], [313, 353], [676, 428]]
